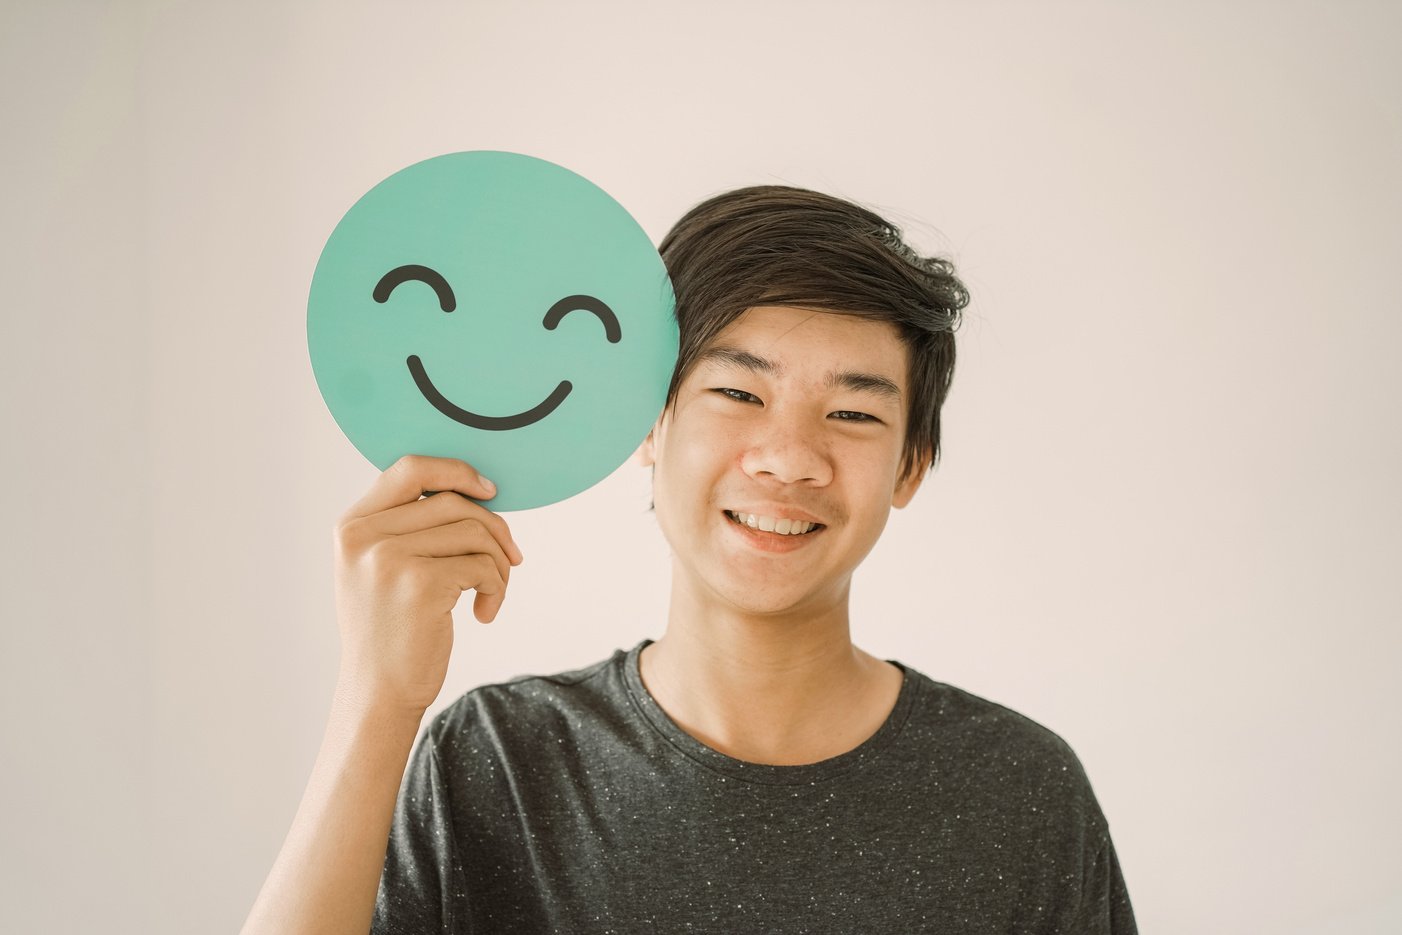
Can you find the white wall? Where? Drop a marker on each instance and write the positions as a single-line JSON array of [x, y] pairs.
[[1167, 515]]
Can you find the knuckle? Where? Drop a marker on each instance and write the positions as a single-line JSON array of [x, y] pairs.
[[409, 465], [348, 534], [382, 560], [493, 525], [453, 506], [474, 535], [488, 575]]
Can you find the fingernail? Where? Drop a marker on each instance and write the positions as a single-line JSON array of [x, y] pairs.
[[491, 488]]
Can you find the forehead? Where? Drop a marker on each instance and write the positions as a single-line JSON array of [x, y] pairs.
[[805, 339]]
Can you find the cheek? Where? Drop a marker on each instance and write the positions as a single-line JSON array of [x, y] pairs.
[[696, 444], [675, 467], [871, 482]]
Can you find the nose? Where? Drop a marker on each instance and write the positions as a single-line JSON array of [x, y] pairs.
[[782, 451]]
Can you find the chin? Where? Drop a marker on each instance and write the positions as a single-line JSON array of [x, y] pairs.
[[775, 603]]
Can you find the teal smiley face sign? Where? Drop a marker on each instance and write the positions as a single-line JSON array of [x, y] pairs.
[[496, 308]]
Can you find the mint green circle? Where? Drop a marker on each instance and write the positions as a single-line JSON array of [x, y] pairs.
[[512, 236]]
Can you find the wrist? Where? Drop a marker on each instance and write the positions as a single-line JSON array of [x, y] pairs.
[[356, 699]]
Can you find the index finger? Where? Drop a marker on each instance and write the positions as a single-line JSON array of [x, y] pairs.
[[412, 476]]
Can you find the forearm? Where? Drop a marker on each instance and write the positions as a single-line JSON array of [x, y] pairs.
[[327, 873]]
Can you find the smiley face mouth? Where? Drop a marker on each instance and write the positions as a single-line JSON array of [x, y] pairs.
[[475, 420]]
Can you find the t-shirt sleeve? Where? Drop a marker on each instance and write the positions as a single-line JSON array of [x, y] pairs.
[[422, 878], [1105, 907]]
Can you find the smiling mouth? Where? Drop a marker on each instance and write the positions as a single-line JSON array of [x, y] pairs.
[[476, 420], [784, 527]]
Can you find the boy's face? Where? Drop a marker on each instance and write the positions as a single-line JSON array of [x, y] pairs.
[[789, 414]]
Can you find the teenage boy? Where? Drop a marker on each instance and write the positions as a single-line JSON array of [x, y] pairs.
[[752, 770]]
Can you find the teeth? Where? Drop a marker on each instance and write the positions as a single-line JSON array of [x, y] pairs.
[[783, 527]]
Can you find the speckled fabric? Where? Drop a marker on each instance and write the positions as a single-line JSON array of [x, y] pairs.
[[572, 803]]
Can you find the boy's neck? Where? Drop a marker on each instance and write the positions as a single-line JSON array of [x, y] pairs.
[[781, 691]]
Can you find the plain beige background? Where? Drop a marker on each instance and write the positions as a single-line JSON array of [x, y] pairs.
[[1167, 521]]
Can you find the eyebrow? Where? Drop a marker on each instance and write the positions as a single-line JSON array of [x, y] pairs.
[[871, 383]]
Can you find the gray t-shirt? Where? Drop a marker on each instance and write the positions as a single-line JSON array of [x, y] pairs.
[[572, 803]]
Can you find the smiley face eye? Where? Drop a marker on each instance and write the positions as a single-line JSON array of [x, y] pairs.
[[588, 303], [401, 274]]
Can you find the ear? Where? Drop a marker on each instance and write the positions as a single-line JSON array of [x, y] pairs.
[[905, 490], [646, 454]]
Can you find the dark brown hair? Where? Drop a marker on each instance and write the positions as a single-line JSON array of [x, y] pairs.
[[776, 245]]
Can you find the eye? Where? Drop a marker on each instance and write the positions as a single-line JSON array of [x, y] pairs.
[[588, 303], [847, 415], [737, 395], [401, 274]]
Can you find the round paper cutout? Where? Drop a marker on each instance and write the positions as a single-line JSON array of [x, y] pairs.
[[497, 308]]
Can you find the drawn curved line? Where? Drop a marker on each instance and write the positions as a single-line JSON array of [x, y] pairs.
[[472, 419], [590, 304], [400, 274]]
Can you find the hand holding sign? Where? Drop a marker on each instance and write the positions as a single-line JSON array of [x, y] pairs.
[[402, 562]]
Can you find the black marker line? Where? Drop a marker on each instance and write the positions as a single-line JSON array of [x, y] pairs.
[[476, 421]]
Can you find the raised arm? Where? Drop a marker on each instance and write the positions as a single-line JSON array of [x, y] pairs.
[[402, 562]]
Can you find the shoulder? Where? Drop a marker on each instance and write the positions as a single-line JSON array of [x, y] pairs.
[[530, 706], [994, 725], [1001, 749]]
